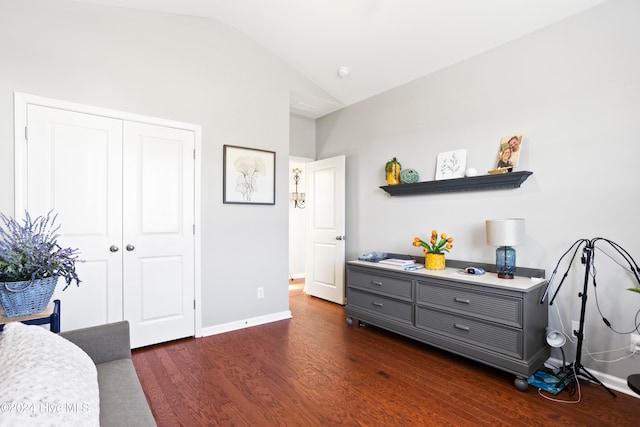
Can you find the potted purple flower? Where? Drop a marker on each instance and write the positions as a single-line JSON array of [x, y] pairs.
[[31, 262]]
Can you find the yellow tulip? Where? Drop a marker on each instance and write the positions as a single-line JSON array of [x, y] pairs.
[[444, 236], [449, 246], [450, 239]]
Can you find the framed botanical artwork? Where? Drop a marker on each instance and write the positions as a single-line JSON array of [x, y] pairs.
[[248, 176], [451, 164], [509, 153]]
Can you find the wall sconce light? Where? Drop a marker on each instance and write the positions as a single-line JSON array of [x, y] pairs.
[[295, 197], [505, 233]]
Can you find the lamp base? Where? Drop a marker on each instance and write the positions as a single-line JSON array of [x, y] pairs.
[[506, 262]]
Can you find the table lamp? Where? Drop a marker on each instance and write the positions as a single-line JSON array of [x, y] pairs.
[[505, 233]]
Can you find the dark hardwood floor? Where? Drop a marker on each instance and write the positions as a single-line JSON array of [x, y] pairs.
[[314, 370]]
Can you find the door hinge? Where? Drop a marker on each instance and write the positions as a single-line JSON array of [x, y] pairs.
[[194, 154], [26, 133], [194, 304], [194, 229]]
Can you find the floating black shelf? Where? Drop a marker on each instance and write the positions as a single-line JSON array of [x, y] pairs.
[[473, 183]]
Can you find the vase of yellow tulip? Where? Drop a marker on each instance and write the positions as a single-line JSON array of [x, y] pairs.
[[434, 250], [434, 261]]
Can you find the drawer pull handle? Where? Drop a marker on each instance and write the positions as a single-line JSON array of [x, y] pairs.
[[461, 327], [377, 304], [461, 300], [376, 283]]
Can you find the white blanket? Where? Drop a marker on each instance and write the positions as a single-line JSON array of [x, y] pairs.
[[45, 380]]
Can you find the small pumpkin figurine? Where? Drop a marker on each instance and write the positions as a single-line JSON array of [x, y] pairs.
[[392, 170]]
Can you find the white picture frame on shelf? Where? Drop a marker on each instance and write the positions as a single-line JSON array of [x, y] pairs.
[[451, 164]]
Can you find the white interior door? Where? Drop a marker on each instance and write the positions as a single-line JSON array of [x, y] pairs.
[[326, 229], [158, 232], [124, 194], [74, 167]]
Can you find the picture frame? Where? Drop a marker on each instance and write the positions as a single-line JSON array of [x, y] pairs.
[[248, 176], [451, 164], [509, 151]]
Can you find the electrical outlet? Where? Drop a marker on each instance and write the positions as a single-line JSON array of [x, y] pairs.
[[575, 326], [260, 293], [634, 344]]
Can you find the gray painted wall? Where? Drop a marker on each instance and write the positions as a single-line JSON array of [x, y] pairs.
[[179, 68], [302, 137], [574, 90]]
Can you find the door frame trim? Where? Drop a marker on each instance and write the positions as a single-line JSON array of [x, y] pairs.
[[22, 100]]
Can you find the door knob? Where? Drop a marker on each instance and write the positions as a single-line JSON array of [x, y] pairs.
[[130, 247], [341, 237], [114, 248]]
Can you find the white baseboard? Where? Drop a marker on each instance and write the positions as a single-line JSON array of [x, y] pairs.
[[614, 383], [297, 275], [247, 323]]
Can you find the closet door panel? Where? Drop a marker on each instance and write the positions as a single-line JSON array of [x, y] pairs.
[[74, 167], [158, 218]]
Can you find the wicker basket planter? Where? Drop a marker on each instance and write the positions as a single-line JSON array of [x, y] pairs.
[[27, 297]]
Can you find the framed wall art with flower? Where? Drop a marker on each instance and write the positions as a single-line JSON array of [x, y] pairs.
[[248, 176], [451, 164]]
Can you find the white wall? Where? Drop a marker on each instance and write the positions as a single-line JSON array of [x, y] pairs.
[[179, 68], [574, 90]]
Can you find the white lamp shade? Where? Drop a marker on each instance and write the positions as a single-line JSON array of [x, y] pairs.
[[554, 338], [505, 232]]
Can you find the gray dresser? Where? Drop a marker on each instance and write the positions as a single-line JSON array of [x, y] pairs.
[[495, 321]]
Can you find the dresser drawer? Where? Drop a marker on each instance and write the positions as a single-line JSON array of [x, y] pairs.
[[490, 306], [382, 284], [491, 336], [397, 310]]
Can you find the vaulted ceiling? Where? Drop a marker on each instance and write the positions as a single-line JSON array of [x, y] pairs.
[[382, 43]]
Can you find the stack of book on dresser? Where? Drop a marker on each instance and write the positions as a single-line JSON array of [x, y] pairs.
[[397, 261], [407, 264]]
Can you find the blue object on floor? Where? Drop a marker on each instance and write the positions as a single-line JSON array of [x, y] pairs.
[[547, 382]]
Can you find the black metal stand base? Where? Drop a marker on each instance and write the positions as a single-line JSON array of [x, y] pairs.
[[575, 370]]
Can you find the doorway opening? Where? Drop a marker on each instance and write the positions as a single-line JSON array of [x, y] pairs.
[[297, 222]]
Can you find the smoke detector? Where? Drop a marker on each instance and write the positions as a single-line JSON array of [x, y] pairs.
[[343, 71]]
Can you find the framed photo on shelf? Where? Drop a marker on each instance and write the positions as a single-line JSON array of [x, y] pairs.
[[509, 152], [248, 176]]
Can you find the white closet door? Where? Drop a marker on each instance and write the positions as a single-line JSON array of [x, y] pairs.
[[74, 166], [124, 194], [158, 221]]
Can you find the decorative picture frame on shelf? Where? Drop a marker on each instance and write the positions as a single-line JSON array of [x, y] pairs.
[[451, 164], [248, 176], [509, 151]]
